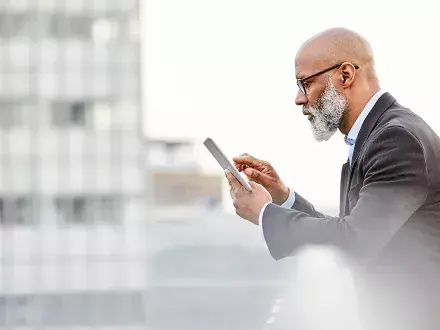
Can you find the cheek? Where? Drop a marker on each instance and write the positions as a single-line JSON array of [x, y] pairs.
[[313, 97]]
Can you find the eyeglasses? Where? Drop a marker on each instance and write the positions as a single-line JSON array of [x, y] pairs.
[[300, 82]]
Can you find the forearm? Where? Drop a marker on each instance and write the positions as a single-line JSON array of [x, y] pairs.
[[294, 201], [379, 214]]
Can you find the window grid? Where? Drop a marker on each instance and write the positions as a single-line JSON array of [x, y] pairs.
[[62, 64]]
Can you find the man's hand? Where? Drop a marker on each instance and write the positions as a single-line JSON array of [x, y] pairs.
[[263, 173], [247, 204]]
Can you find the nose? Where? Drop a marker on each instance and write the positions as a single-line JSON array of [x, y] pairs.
[[300, 99]]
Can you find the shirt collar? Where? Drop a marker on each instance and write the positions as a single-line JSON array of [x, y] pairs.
[[351, 137]]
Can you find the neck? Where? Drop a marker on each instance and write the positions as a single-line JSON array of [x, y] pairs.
[[355, 106]]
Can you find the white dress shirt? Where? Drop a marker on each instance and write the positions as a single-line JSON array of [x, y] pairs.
[[350, 139]]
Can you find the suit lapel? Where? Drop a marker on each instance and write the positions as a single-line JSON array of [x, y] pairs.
[[343, 190], [384, 102]]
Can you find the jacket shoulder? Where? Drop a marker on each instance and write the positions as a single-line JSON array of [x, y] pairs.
[[398, 116]]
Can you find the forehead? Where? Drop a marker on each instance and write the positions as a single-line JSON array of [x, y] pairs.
[[306, 68], [309, 60]]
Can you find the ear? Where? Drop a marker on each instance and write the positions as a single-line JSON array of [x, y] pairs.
[[348, 73]]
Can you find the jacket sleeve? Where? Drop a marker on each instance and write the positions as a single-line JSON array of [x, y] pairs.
[[303, 205], [395, 186]]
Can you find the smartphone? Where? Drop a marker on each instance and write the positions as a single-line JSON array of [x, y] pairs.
[[224, 162]]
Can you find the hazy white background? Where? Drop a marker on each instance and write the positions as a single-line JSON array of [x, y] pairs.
[[225, 69]]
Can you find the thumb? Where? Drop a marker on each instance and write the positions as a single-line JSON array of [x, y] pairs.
[[231, 178]]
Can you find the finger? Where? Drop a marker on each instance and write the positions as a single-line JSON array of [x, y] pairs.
[[232, 194], [239, 167], [258, 177], [248, 161]]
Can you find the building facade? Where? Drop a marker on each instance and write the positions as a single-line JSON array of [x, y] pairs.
[[72, 187], [177, 179]]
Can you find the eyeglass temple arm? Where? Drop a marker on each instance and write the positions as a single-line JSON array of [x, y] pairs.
[[324, 71]]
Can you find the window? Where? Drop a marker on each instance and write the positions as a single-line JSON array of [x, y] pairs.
[[84, 28], [105, 209], [73, 309], [71, 210], [18, 57], [88, 210], [8, 114], [14, 113], [19, 25], [71, 114], [64, 26], [76, 27], [17, 85], [82, 114], [17, 311], [102, 116], [105, 30], [16, 210]]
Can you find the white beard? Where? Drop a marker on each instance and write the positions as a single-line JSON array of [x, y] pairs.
[[328, 112]]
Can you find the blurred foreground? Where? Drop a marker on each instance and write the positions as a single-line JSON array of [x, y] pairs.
[[213, 271], [179, 269]]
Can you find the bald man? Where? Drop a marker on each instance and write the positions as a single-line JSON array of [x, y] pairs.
[[389, 219]]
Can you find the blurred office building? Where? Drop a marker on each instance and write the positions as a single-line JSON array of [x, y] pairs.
[[72, 179]]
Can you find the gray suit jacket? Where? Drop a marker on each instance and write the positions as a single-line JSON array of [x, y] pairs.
[[389, 221]]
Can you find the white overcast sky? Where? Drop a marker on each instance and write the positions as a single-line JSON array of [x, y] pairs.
[[225, 69]]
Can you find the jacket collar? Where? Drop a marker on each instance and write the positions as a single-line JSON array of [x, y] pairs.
[[351, 137], [382, 104]]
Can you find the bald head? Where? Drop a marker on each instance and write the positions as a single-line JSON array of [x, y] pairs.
[[336, 45], [337, 79]]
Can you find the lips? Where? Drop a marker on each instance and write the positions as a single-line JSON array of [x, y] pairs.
[[307, 113]]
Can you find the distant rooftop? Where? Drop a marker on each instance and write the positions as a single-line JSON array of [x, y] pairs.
[[171, 153], [170, 142]]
